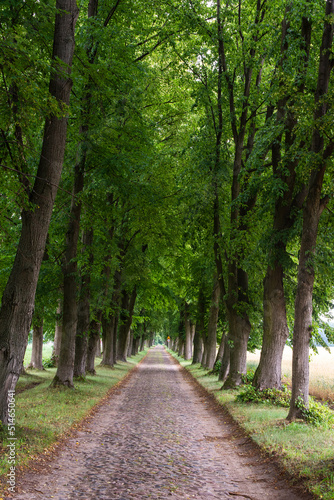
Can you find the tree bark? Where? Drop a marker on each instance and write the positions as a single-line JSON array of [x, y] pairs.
[[37, 345], [93, 338], [58, 334], [275, 326], [135, 346], [19, 294], [199, 329], [83, 321], [313, 208], [108, 346], [225, 366], [220, 352], [275, 331], [130, 344], [211, 340], [188, 336], [65, 369], [127, 307]]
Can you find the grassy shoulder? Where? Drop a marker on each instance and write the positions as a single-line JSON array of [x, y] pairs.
[[43, 414], [304, 450]]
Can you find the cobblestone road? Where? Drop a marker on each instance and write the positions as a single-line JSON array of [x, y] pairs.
[[158, 437]]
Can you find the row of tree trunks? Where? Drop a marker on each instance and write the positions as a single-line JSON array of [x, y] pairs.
[[19, 294]]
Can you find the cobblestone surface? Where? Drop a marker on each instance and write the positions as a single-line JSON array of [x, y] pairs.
[[158, 437]]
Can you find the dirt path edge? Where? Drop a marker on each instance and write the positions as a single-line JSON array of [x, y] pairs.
[[41, 462]]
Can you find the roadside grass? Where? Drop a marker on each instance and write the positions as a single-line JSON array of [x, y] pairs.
[[305, 451], [44, 414]]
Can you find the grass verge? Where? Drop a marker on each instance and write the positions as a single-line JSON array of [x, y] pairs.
[[305, 451], [44, 415]]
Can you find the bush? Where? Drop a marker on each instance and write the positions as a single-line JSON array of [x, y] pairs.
[[216, 368], [273, 396], [317, 413], [48, 363], [248, 378]]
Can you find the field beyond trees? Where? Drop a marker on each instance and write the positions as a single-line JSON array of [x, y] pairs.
[[321, 371]]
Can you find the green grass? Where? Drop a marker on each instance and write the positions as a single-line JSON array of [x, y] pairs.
[[47, 351], [304, 450], [43, 414]]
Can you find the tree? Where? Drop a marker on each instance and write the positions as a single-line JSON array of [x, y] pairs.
[[18, 298], [319, 154]]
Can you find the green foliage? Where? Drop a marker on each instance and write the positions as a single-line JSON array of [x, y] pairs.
[[270, 396], [317, 413], [48, 362]]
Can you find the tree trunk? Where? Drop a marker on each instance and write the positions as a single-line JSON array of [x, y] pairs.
[[225, 366], [135, 346], [83, 324], [199, 328], [108, 346], [211, 340], [275, 331], [19, 294], [37, 345], [311, 214], [98, 348], [220, 352], [238, 340], [142, 343], [65, 370], [130, 344], [275, 326], [93, 339], [188, 337], [58, 334], [127, 307]]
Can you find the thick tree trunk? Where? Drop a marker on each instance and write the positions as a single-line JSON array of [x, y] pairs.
[[93, 339], [142, 343], [37, 345], [220, 352], [238, 340], [211, 340], [188, 335], [130, 344], [98, 348], [135, 346], [225, 366], [58, 335], [198, 345], [275, 327], [65, 369], [83, 324], [19, 294], [108, 346], [275, 331], [311, 214], [199, 328], [127, 307]]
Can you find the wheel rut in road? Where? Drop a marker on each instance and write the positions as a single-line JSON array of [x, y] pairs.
[[159, 436]]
